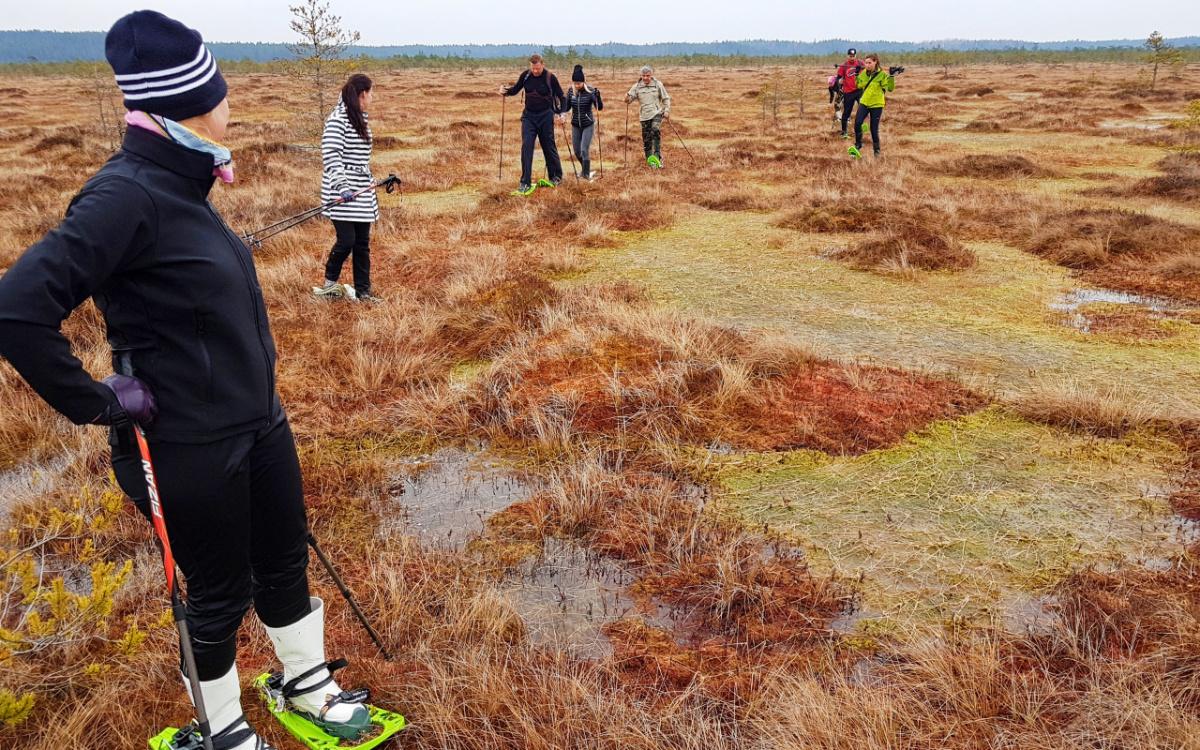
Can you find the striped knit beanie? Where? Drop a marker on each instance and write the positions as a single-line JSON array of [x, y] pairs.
[[163, 66]]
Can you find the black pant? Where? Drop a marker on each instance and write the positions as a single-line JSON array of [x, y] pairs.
[[352, 236], [539, 126], [848, 102], [235, 518], [860, 117]]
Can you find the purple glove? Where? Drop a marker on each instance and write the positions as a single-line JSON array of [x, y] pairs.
[[134, 398], [347, 196]]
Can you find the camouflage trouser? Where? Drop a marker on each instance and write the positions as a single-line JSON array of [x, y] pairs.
[[652, 136]]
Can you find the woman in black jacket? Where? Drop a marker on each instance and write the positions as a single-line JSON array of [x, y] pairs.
[[581, 100], [188, 327]]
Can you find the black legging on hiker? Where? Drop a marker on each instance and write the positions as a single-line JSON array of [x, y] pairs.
[[539, 126], [859, 118], [848, 102], [352, 237], [235, 517]]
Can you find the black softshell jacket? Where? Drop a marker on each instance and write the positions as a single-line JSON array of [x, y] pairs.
[[177, 289]]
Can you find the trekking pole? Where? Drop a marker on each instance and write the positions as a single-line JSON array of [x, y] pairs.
[[362, 618], [675, 130], [625, 156], [503, 104], [254, 240], [177, 609], [599, 145], [570, 151]]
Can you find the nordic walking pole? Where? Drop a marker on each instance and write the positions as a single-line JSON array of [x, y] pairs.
[[599, 145], [570, 151], [503, 103], [177, 608], [362, 618], [625, 156], [675, 130], [255, 239]]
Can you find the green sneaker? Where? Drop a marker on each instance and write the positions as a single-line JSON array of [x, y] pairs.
[[524, 191], [654, 162], [854, 152], [545, 183]]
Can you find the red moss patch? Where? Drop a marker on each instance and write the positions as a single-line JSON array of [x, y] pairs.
[[636, 388], [847, 409]]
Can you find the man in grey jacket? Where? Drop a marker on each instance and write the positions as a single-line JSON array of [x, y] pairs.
[[654, 106]]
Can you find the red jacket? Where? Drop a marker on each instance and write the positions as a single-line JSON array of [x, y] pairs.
[[848, 71]]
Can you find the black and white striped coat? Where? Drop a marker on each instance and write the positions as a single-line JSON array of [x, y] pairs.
[[347, 157]]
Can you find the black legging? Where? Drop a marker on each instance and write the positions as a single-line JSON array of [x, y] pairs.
[[352, 236], [860, 117], [235, 517]]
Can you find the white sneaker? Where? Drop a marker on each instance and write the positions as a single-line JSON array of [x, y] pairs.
[[329, 290]]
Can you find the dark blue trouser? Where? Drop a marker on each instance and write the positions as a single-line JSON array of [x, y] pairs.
[[541, 127]]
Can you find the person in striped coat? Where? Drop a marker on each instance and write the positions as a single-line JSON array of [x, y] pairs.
[[346, 186]]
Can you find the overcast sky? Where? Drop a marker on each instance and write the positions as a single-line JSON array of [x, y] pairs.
[[561, 23]]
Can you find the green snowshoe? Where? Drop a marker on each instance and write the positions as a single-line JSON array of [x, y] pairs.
[[319, 735], [189, 738]]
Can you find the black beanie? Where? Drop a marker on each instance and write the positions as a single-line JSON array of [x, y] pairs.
[[578, 74], [163, 66]]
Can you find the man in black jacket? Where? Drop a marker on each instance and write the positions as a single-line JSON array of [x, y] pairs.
[[543, 101]]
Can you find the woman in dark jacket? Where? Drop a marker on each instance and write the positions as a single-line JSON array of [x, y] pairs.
[[581, 100], [185, 316]]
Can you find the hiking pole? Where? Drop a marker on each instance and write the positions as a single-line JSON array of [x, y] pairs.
[[625, 156], [254, 240], [362, 618], [675, 130], [570, 151], [599, 145], [503, 104], [177, 609]]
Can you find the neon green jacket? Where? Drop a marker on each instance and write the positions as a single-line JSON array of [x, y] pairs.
[[872, 86]]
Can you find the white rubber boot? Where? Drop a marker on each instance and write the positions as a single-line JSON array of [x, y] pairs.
[[223, 702], [301, 648]]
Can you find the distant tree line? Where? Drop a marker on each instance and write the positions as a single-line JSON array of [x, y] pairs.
[[23, 47]]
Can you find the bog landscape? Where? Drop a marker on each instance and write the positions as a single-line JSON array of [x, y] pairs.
[[771, 448]]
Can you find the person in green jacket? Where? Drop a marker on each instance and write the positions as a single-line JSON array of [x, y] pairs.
[[872, 82]]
